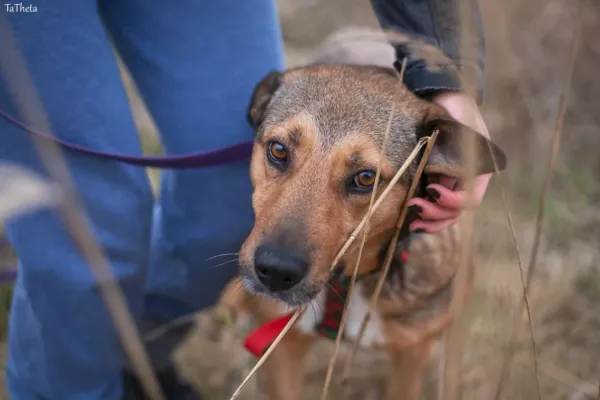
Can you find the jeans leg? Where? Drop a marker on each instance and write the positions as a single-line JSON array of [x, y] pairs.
[[196, 63], [62, 341]]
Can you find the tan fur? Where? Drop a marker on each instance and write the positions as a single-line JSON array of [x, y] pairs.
[[332, 120]]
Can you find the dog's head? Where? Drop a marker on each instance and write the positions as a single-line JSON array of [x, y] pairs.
[[319, 132]]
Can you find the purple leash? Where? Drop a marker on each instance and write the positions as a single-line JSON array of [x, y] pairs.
[[227, 155], [240, 152]]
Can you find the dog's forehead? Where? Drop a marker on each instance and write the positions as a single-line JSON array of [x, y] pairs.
[[343, 101]]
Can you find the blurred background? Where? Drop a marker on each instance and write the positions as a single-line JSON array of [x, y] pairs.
[[528, 48]]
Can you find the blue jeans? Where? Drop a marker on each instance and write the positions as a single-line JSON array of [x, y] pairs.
[[195, 63]]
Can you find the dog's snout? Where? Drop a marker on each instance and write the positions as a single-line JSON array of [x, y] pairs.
[[278, 268]]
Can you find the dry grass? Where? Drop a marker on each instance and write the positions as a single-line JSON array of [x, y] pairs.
[[525, 74], [14, 70], [528, 48]]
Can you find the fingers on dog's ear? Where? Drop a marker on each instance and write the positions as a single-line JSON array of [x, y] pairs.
[[262, 96], [448, 154]]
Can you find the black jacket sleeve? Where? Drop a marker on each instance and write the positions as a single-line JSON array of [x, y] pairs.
[[437, 22]]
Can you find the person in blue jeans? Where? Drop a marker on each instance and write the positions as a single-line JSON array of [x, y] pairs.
[[195, 63]]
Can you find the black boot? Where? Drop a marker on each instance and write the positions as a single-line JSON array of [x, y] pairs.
[[172, 386]]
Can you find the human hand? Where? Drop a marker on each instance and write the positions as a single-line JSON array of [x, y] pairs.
[[446, 204]]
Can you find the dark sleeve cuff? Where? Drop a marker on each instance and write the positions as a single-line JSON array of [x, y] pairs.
[[427, 83]]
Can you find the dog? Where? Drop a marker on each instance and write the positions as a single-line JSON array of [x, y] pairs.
[[319, 133]]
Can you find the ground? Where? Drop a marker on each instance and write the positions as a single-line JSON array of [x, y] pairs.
[[528, 47]]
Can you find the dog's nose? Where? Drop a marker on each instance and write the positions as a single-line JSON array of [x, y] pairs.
[[279, 269]]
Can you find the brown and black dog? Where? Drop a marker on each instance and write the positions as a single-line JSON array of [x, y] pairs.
[[319, 132]]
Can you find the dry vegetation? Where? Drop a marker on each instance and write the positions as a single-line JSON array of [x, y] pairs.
[[528, 46]]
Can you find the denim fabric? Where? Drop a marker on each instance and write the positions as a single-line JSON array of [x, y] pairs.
[[195, 63], [437, 22]]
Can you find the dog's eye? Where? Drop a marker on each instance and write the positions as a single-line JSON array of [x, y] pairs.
[[277, 152], [364, 180]]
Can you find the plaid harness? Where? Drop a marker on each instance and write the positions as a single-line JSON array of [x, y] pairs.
[[259, 340], [336, 297]]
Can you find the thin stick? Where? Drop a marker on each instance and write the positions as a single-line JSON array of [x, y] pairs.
[[344, 248], [19, 82], [507, 208], [441, 371], [456, 335], [338, 338], [389, 254], [526, 300], [355, 272], [517, 252], [165, 328], [264, 357], [544, 192], [387, 190]]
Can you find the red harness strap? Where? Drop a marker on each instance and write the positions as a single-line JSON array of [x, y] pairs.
[[259, 340]]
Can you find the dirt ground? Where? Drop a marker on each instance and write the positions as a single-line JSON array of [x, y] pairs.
[[528, 44]]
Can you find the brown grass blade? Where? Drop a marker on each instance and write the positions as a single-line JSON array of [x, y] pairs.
[[264, 357], [456, 334], [389, 255], [364, 237], [338, 338], [340, 254], [441, 370], [14, 70], [544, 192], [511, 224], [161, 330], [384, 194]]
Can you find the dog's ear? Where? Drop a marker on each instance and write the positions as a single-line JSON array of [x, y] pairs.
[[262, 96], [447, 156]]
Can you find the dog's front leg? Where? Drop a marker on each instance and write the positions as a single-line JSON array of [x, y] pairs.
[[284, 369], [408, 369]]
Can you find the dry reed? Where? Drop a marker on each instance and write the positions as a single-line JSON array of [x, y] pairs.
[[455, 335], [271, 348], [14, 70], [389, 254], [344, 248], [542, 199], [365, 232], [398, 38], [362, 244]]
